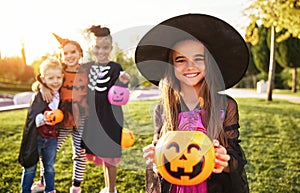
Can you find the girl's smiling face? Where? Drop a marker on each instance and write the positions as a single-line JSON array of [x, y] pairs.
[[71, 56], [188, 61], [102, 48]]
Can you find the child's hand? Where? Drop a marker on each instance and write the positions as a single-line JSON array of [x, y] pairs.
[[124, 77], [46, 93], [149, 153], [222, 157], [47, 118]]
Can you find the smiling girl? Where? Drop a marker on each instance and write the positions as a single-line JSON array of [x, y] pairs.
[[192, 58]]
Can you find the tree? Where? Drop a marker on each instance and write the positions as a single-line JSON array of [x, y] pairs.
[[23, 54], [252, 70], [27, 76], [127, 63], [260, 54], [13, 70], [288, 52], [277, 15], [261, 50]]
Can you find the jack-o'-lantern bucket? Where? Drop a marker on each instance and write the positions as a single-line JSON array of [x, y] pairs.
[[185, 157], [128, 138], [118, 95], [54, 116]]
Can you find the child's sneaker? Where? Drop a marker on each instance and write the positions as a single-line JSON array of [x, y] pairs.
[[74, 189], [37, 187]]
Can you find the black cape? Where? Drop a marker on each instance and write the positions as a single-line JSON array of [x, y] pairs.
[[28, 155]]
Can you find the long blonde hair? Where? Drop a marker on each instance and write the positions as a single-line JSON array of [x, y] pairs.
[[210, 100]]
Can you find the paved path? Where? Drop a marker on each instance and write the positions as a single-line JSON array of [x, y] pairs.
[[246, 93], [153, 93], [234, 92]]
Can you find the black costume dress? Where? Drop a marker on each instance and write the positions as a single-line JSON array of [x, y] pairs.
[[103, 127]]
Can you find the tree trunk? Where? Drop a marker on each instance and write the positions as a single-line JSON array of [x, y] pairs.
[[254, 81], [272, 66], [23, 54], [294, 86]]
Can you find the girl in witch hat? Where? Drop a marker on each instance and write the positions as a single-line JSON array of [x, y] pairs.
[[192, 58], [74, 106]]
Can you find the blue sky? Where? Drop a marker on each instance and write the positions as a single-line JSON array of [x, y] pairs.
[[33, 21]]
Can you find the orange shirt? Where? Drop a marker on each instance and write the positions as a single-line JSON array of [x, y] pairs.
[[73, 93], [74, 86]]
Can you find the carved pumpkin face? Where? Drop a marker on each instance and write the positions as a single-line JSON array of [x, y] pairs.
[[74, 87], [118, 95], [127, 138], [54, 116], [184, 157]]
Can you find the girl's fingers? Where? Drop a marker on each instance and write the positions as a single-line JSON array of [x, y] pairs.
[[218, 170], [222, 157], [124, 77], [216, 143], [148, 151], [148, 154], [220, 162], [148, 148], [149, 161]]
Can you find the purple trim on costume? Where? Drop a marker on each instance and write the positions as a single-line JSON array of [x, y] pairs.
[[191, 121], [199, 188]]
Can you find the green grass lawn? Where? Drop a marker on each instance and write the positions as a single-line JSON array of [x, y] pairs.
[[270, 133], [288, 92]]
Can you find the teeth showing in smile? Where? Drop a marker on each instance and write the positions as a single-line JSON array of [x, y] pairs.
[[71, 61], [191, 75]]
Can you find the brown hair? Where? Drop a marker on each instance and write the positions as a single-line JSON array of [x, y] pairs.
[[75, 43], [99, 31], [210, 100], [63, 42]]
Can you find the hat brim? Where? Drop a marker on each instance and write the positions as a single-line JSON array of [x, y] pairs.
[[224, 42]]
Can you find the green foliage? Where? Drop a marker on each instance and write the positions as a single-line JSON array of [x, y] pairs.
[[128, 64], [287, 52], [252, 69], [286, 75], [284, 15], [249, 80], [269, 133], [277, 15], [261, 51]]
